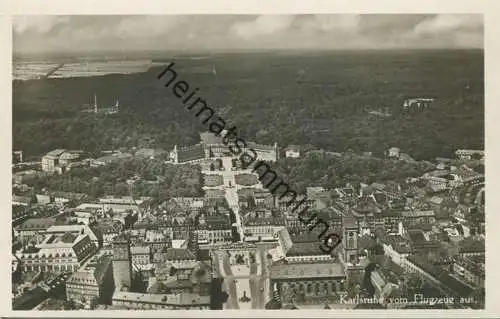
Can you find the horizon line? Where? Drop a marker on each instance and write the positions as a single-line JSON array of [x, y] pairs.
[[238, 51]]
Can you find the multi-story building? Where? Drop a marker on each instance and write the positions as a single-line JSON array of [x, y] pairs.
[[266, 153], [75, 230], [58, 253], [395, 246], [108, 229], [141, 255], [292, 151], [178, 256], [383, 287], [416, 217], [93, 281], [437, 276], [392, 219], [300, 247], [471, 247], [51, 160], [187, 154], [471, 268], [308, 282], [420, 243], [143, 202], [180, 301], [32, 227], [59, 160], [262, 224], [212, 145], [214, 229]]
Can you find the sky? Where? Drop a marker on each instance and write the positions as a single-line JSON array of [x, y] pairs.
[[32, 34]]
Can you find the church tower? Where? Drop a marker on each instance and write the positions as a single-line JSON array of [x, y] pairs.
[[350, 238], [122, 262]]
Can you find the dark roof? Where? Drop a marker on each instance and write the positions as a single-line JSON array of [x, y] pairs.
[[179, 254], [419, 226], [253, 221], [179, 284], [305, 249], [69, 195], [416, 236], [442, 275], [68, 238], [101, 267], [260, 147], [328, 214], [108, 226], [391, 213], [122, 237], [190, 153], [37, 223], [218, 222], [470, 245], [299, 271], [366, 205]]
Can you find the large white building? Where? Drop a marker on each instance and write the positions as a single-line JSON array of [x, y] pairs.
[[212, 146], [58, 253], [467, 154], [60, 160], [75, 230]]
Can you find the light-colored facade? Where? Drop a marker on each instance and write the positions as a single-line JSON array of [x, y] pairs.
[[93, 281], [394, 152], [472, 272], [292, 151], [262, 224], [58, 253], [75, 230], [141, 255], [58, 160], [180, 301], [212, 146], [467, 154]]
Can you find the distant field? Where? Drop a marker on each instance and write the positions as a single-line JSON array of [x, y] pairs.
[[317, 99]]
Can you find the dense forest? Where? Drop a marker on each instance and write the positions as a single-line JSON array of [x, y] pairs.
[[331, 171], [318, 99], [153, 178]]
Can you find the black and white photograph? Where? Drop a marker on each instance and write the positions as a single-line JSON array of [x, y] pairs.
[[330, 161]]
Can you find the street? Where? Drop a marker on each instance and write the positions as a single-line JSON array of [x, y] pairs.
[[242, 279]]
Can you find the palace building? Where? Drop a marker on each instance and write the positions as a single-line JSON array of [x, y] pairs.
[[212, 145]]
